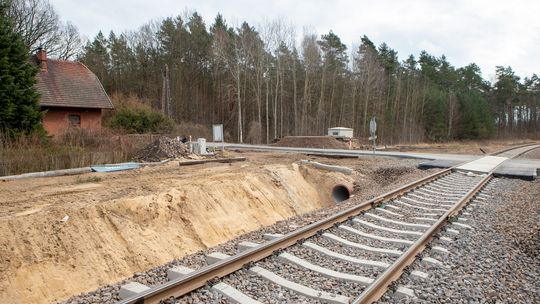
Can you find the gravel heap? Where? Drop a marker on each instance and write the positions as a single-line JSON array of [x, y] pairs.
[[497, 262], [162, 148], [387, 175]]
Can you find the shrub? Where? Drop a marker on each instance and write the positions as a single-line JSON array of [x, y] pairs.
[[140, 121], [132, 115]]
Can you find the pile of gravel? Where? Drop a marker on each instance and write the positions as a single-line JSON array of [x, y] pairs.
[[387, 175], [162, 148]]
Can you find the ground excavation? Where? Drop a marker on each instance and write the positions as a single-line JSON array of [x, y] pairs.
[[64, 235], [77, 239]]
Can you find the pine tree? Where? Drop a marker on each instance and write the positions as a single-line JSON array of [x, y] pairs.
[[19, 108]]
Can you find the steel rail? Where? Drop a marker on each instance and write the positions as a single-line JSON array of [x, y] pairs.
[[178, 287], [513, 148], [199, 278], [379, 287]]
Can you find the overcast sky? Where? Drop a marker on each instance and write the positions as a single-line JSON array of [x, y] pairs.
[[488, 33]]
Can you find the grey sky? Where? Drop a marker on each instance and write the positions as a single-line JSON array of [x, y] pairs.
[[488, 33]]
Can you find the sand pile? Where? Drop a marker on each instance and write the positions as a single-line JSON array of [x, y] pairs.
[[162, 148]]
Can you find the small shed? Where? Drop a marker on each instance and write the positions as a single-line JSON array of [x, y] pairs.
[[340, 132]]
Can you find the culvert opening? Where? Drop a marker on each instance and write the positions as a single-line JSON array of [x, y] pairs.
[[340, 193]]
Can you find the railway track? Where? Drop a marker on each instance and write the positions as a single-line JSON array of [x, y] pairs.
[[353, 256]]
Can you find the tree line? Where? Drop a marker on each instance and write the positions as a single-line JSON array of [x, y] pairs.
[[268, 82], [264, 84]]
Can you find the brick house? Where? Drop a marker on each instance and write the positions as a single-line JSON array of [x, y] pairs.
[[71, 94]]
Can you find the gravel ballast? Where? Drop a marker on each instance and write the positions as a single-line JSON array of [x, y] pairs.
[[497, 261], [533, 154]]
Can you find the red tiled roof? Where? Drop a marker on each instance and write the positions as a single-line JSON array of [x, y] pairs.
[[71, 84]]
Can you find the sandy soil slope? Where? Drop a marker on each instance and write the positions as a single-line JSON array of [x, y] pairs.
[[125, 222]]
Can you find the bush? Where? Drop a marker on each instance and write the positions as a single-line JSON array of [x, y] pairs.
[[133, 115], [140, 121]]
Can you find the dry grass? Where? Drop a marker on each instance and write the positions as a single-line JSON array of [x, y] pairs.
[[77, 148]]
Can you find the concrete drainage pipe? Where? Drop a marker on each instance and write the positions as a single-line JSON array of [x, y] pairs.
[[341, 192]]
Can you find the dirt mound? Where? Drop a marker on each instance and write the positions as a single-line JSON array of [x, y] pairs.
[[323, 142], [162, 148], [387, 175]]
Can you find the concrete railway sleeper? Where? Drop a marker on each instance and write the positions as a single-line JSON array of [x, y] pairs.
[[371, 241], [350, 257]]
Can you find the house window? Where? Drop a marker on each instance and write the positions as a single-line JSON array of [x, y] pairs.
[[74, 120]]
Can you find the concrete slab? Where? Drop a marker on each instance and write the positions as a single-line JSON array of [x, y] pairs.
[[482, 165], [513, 168], [519, 168], [131, 289]]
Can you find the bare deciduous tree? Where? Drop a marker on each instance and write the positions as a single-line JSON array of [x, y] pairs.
[[39, 25]]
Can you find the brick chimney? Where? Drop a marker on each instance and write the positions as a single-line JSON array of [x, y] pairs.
[[41, 56]]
